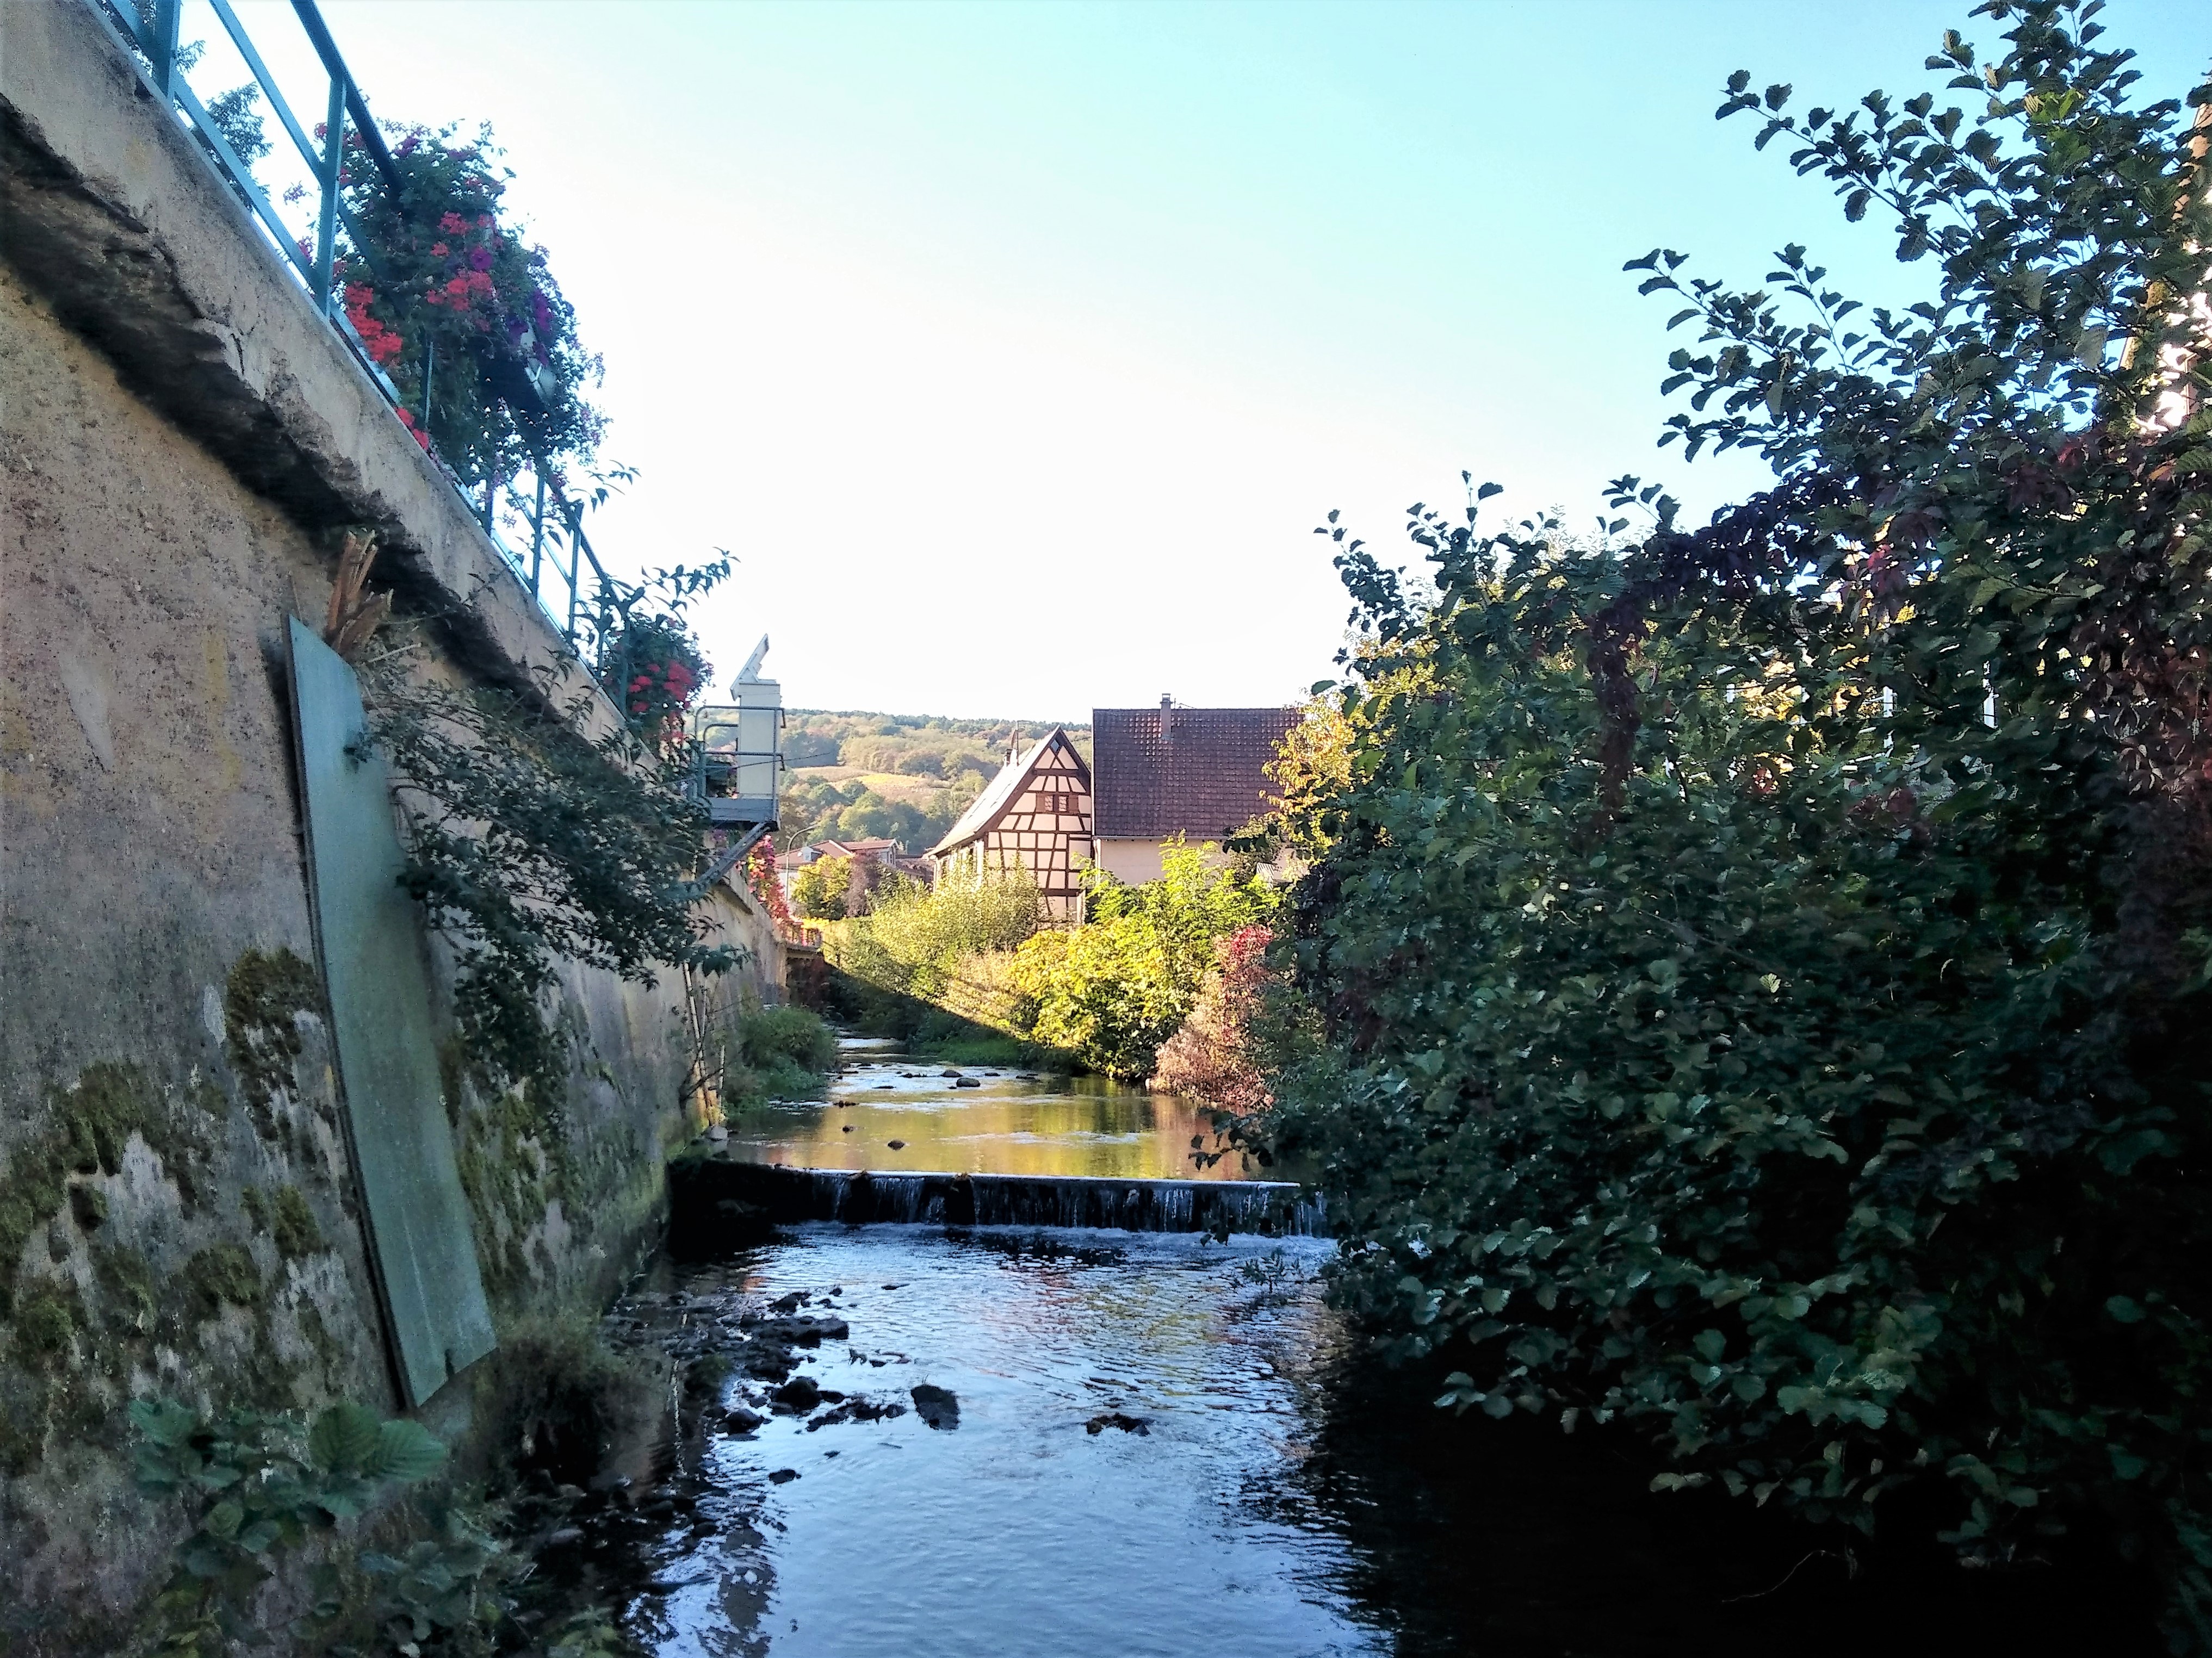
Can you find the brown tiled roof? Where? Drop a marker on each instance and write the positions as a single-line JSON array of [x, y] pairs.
[[1196, 772]]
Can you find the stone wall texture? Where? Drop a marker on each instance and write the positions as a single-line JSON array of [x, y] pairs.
[[182, 440]]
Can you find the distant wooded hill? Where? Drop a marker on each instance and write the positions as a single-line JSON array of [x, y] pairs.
[[906, 777]]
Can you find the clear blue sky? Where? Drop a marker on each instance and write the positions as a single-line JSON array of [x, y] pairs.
[[1016, 350]]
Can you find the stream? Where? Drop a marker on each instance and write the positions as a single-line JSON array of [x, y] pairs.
[[887, 1111], [908, 1440]]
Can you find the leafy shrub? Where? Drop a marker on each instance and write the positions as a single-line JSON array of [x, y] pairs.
[[1217, 1056], [258, 1486], [914, 937], [555, 1397], [1763, 963], [819, 890], [776, 1054], [790, 1036], [1114, 989]]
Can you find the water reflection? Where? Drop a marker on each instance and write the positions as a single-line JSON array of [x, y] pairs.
[[1008, 1122]]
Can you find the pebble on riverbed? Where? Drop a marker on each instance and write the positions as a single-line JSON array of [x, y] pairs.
[[896, 1145]]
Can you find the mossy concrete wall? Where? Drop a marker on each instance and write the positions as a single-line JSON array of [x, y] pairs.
[[181, 442]]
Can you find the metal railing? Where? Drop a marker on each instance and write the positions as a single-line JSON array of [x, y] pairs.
[[533, 506]]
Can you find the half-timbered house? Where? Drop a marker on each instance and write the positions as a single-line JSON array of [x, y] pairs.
[[1035, 815]]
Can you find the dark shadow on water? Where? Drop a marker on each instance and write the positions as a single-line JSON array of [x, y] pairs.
[[1476, 1539]]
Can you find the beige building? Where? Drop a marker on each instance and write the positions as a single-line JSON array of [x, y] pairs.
[[1160, 773]]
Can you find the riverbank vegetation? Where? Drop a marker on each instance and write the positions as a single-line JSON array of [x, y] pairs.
[[783, 1052], [1104, 995], [1753, 969], [1114, 989]]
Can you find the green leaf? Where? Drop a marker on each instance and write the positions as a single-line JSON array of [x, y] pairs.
[[2123, 1310], [224, 1519], [405, 1452], [344, 1438]]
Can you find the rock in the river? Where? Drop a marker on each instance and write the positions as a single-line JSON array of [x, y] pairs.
[[796, 1396], [741, 1420], [896, 1145], [770, 1361], [856, 1410], [948, 1073], [1128, 1424], [848, 1128], [937, 1406], [968, 1082], [783, 1476], [802, 1329]]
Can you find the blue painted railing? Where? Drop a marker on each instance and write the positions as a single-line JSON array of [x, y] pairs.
[[560, 554]]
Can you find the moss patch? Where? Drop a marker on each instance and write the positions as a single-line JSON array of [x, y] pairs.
[[88, 1127], [126, 1287], [221, 1274], [293, 1226], [46, 1323], [265, 993]]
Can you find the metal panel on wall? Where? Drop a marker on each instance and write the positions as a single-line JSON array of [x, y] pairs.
[[379, 980]]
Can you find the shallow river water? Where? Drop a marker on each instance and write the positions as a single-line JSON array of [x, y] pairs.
[[1020, 1530], [1162, 1445], [885, 1111]]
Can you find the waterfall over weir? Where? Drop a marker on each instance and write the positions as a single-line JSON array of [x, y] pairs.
[[717, 1197]]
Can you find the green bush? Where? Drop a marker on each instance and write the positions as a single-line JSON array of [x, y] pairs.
[[774, 1053], [1115, 989], [1763, 965], [914, 937], [794, 1036], [819, 890]]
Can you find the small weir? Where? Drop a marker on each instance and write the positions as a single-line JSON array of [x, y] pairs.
[[720, 1198]]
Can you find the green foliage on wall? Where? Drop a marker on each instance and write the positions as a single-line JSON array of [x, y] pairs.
[[1763, 964], [529, 844]]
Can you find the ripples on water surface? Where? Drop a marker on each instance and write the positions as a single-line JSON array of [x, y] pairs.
[[1012, 1124], [1019, 1531], [1282, 1503]]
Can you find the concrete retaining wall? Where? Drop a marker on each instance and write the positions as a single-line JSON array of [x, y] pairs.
[[181, 438]]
